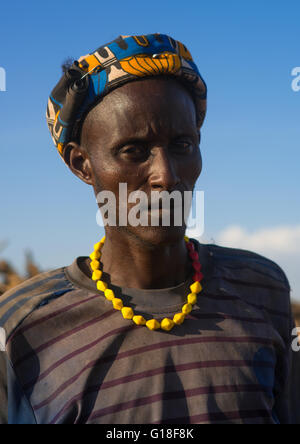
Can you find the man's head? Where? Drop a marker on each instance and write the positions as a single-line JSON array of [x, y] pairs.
[[143, 134], [131, 113]]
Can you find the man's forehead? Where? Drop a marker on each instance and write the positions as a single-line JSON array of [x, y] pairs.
[[145, 95]]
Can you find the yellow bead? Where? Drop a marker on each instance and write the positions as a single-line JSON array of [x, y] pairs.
[[139, 320], [186, 239], [196, 287], [109, 294], [95, 265], [187, 308], [127, 313], [96, 275], [97, 246], [102, 286], [95, 255], [192, 298], [167, 324], [179, 318], [153, 324], [117, 303]]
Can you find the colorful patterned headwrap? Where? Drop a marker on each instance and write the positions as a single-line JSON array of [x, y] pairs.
[[126, 59]]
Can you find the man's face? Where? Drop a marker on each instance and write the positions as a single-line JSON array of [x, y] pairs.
[[144, 134]]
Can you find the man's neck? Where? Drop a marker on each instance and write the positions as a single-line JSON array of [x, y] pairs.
[[130, 263]]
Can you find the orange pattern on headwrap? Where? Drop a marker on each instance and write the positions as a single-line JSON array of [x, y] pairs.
[[143, 65]]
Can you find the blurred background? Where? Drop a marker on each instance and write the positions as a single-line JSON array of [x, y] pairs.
[[245, 51]]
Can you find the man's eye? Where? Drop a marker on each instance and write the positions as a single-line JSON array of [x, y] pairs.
[[183, 147], [135, 152]]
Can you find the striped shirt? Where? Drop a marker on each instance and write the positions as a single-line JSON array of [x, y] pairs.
[[69, 358]]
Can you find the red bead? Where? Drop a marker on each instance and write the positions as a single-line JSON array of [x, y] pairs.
[[197, 266], [190, 246], [194, 255], [198, 276]]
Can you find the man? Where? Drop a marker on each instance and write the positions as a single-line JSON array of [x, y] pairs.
[[127, 335]]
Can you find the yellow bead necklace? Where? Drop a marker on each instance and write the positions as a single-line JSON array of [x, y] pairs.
[[128, 313]]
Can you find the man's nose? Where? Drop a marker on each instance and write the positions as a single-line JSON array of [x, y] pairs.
[[163, 176]]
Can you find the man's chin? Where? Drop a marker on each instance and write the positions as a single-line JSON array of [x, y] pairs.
[[155, 236]]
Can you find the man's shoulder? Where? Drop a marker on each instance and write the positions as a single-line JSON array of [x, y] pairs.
[[248, 266], [20, 301]]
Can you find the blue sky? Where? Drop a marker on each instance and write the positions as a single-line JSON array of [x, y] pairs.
[[250, 141]]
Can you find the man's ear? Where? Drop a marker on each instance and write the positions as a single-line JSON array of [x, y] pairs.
[[78, 161]]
